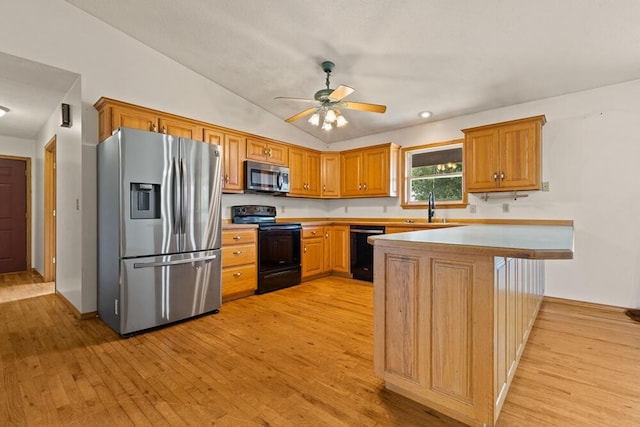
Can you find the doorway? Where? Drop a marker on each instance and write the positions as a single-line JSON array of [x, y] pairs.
[[15, 214], [50, 180]]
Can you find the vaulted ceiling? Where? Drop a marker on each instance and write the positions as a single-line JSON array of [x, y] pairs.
[[450, 57]]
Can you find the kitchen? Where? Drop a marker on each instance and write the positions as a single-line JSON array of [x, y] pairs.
[[579, 127]]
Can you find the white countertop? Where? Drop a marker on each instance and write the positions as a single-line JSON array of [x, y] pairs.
[[519, 241]]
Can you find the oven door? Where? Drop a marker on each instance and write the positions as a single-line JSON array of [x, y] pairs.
[[279, 247]]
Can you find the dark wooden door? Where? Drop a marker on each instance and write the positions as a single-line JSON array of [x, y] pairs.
[[13, 216]]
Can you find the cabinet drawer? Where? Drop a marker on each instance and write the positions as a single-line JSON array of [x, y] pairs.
[[239, 279], [234, 237], [238, 255], [312, 232]]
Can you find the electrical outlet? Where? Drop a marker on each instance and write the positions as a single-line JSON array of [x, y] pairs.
[[545, 186], [472, 208], [282, 209], [346, 209], [505, 207]]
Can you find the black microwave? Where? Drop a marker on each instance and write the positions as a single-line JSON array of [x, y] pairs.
[[265, 177]]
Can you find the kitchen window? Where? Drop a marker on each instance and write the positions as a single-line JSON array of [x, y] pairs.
[[438, 168]]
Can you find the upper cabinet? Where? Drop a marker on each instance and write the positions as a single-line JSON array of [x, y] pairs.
[[263, 150], [114, 114], [369, 172], [330, 174], [233, 155], [304, 169], [504, 156]]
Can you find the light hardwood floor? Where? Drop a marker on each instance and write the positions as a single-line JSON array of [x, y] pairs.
[[17, 286], [297, 357]]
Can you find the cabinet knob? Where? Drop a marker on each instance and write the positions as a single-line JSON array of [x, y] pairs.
[[359, 187], [154, 128], [324, 187], [326, 235], [226, 178], [237, 252], [502, 176], [365, 187], [495, 176], [237, 237], [238, 274], [305, 249], [269, 151], [164, 129], [314, 232]]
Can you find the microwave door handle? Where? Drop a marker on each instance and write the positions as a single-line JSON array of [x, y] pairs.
[[280, 181]]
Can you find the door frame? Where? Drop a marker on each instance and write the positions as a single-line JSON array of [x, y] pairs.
[[50, 185], [27, 161]]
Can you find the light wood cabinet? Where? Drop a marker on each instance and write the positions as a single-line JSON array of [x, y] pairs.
[[340, 249], [330, 175], [504, 156], [369, 172], [181, 128], [263, 150], [233, 155], [450, 326], [239, 263], [316, 247], [304, 172]]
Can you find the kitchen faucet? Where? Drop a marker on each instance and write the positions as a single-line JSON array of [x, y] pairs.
[[432, 205]]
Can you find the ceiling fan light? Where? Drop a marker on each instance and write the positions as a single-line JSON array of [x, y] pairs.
[[315, 119], [330, 116], [326, 126], [341, 121], [3, 110], [425, 114]]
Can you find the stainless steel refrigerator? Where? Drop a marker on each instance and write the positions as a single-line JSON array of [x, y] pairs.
[[159, 229]]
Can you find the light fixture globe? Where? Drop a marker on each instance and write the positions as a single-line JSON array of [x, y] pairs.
[[3, 110]]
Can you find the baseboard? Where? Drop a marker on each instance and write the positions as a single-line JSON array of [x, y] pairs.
[[74, 310], [585, 304]]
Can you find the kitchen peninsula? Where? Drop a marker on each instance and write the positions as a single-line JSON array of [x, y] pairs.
[[453, 309]]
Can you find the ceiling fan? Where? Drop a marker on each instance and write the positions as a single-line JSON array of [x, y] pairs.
[[328, 103]]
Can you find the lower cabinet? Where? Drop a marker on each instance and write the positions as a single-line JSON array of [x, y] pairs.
[[315, 250], [239, 263], [340, 249]]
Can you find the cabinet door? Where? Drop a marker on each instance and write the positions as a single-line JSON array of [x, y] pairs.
[[340, 248], [313, 174], [520, 157], [481, 160], [183, 129], [133, 118], [277, 154], [312, 256], [233, 151], [297, 172], [213, 136], [375, 176], [330, 174], [350, 174], [256, 150]]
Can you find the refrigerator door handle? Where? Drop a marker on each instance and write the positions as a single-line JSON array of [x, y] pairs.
[[176, 197], [183, 209], [176, 262]]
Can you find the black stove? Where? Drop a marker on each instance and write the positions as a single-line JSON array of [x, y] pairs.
[[278, 246]]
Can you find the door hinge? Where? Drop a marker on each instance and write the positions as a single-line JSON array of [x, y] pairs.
[[54, 212], [53, 260]]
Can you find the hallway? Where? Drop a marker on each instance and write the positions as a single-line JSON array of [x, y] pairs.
[[17, 286]]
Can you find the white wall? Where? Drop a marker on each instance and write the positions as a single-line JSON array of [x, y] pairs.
[[587, 135], [590, 151]]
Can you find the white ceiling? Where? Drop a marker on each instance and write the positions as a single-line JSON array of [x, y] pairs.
[[32, 91], [451, 57]]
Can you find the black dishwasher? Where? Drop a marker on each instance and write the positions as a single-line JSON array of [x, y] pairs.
[[362, 252]]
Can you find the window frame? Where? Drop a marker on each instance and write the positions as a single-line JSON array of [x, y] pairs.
[[405, 151]]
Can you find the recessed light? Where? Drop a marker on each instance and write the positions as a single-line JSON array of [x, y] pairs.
[[3, 110], [425, 114]]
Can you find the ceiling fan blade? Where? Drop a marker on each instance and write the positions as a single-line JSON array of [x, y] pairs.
[[300, 115], [286, 98], [341, 92], [362, 106]]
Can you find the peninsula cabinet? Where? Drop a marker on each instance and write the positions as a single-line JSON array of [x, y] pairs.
[[504, 156], [233, 155], [304, 169], [330, 175], [369, 172], [263, 150], [453, 309]]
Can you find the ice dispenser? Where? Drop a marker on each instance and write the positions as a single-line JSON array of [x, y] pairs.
[[145, 200]]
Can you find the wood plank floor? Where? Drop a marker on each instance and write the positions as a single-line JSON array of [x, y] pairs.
[[297, 357], [17, 286]]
